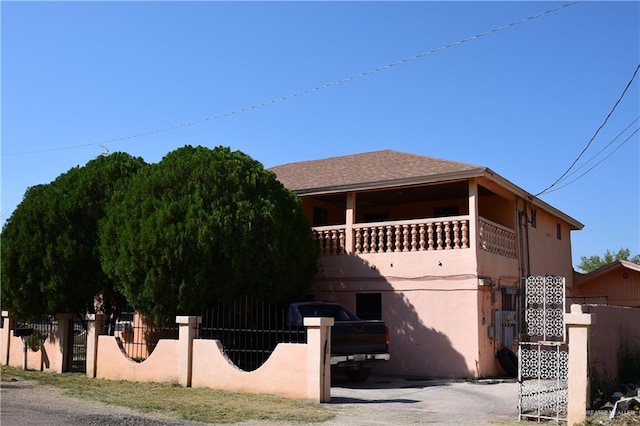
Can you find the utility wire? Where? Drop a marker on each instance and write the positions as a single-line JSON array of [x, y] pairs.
[[304, 92], [601, 151], [593, 137], [598, 163]]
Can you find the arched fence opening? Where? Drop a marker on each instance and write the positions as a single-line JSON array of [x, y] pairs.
[[249, 330]]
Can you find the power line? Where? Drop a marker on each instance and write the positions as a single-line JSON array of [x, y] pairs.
[[599, 162], [301, 93], [602, 150], [594, 135]]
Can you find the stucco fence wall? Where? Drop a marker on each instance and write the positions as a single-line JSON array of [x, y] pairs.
[[614, 334], [50, 355], [294, 370]]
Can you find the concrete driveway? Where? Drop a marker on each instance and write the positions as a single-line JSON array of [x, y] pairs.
[[389, 401]]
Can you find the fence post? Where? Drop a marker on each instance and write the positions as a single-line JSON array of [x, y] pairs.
[[188, 329], [62, 359], [95, 325], [578, 323], [319, 358], [5, 338]]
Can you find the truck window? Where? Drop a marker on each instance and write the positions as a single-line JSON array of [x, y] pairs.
[[327, 311]]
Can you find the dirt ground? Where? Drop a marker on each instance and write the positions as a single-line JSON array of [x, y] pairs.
[[379, 401]]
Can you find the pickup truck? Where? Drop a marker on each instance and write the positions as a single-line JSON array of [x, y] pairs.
[[356, 344]]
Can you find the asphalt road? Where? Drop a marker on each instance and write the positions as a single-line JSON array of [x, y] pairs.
[[25, 403], [379, 401]]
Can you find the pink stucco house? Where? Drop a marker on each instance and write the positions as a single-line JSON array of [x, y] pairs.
[[435, 248]]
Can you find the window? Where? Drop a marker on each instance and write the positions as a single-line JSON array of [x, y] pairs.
[[369, 306], [558, 231]]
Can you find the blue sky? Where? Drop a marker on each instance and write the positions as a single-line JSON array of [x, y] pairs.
[[524, 100]]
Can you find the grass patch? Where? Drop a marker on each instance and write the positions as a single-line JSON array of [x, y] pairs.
[[199, 404]]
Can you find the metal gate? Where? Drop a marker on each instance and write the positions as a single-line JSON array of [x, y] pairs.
[[77, 346], [543, 360]]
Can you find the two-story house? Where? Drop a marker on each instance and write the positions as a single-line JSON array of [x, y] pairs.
[[435, 248]]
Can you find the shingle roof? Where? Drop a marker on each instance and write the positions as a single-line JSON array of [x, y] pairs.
[[386, 169], [379, 168]]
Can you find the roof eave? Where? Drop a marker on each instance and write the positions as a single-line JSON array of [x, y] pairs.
[[393, 183], [575, 225], [618, 264]]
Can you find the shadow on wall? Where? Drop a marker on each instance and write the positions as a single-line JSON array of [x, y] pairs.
[[417, 349], [614, 357]]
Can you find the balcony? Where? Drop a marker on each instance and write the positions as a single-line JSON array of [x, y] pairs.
[[450, 233]]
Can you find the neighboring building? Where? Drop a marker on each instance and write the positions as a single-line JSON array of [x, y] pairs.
[[615, 284], [435, 248]]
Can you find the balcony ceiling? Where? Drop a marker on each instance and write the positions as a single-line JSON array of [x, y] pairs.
[[408, 195]]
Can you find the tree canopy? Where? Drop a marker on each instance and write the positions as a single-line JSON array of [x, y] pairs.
[[203, 226], [50, 261], [591, 263], [23, 246]]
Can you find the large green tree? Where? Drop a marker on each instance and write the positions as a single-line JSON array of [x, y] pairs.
[[206, 225], [22, 259], [50, 261], [591, 263]]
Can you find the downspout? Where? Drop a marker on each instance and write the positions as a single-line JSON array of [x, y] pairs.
[[524, 263], [526, 234]]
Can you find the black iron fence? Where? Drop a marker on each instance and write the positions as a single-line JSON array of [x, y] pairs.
[[249, 330], [43, 329], [46, 328], [138, 336]]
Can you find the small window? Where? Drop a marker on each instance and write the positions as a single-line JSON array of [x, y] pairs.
[[320, 216], [558, 231], [369, 306]]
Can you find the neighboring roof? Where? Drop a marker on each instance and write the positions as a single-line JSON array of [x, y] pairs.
[[367, 170], [582, 279], [387, 169]]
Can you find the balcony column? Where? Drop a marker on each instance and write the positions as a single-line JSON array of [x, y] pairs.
[[473, 214], [350, 214]]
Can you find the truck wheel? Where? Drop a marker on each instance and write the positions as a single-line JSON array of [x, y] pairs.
[[357, 375]]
